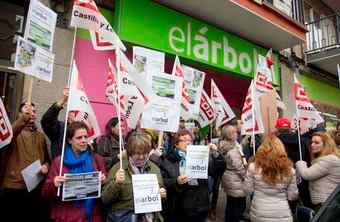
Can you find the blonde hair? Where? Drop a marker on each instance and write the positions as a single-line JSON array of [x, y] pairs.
[[226, 132], [329, 146], [272, 160]]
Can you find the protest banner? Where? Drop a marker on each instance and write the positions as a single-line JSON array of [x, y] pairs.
[[33, 60], [40, 25], [251, 118], [306, 113], [146, 194], [80, 105], [85, 14], [206, 115], [6, 132], [79, 186], [197, 161], [178, 70], [194, 80], [163, 113], [148, 62], [222, 109]]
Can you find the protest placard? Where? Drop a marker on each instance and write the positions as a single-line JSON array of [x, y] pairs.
[[164, 110], [194, 80], [6, 132], [148, 62], [197, 161], [146, 193], [40, 25], [79, 186], [33, 60]]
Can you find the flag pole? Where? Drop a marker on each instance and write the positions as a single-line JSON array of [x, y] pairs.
[[68, 106], [119, 111], [253, 115], [298, 123]]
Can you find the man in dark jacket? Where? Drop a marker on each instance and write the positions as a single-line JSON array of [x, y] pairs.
[[52, 127], [290, 140]]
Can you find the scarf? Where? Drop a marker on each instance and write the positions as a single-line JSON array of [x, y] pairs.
[[80, 164], [146, 217], [181, 155]]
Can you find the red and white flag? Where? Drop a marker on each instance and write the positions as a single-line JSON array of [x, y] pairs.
[[305, 111], [178, 70], [80, 106], [6, 133], [222, 109], [132, 99], [206, 115], [85, 14], [251, 117], [263, 78]]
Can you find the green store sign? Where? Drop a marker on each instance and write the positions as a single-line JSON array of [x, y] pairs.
[[147, 23]]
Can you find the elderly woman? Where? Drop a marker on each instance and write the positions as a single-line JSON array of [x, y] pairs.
[[118, 193], [272, 180], [78, 158], [233, 177], [324, 173], [188, 200]]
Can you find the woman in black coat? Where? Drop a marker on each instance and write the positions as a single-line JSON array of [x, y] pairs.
[[187, 200]]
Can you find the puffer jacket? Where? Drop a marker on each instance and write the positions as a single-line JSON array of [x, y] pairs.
[[233, 177], [323, 176], [270, 202]]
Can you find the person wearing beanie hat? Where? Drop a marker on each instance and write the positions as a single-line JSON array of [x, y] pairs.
[[290, 139]]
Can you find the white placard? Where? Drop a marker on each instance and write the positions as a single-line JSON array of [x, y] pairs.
[[197, 161], [40, 25], [33, 60], [148, 62], [146, 193], [194, 80], [79, 186], [32, 175], [164, 110]]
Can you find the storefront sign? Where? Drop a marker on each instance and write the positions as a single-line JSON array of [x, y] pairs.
[[153, 25]]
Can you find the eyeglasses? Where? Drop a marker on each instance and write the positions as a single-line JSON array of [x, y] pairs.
[[137, 155], [186, 141]]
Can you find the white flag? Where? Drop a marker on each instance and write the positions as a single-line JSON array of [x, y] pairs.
[[177, 70], [263, 78], [80, 105], [206, 114], [132, 99], [85, 14], [6, 133], [247, 114], [222, 109], [309, 117]]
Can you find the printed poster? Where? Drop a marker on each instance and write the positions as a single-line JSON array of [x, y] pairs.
[[148, 62], [197, 161], [33, 60], [164, 110], [40, 25], [79, 186], [146, 193], [194, 80]]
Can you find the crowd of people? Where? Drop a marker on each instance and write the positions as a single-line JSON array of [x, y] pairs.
[[263, 187]]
